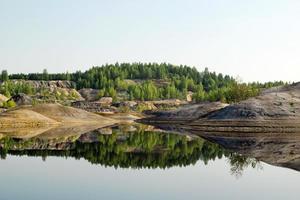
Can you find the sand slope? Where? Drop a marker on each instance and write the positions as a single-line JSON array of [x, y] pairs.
[[49, 120], [24, 117], [66, 114], [3, 98]]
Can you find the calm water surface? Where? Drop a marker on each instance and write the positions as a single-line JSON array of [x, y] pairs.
[[139, 162]]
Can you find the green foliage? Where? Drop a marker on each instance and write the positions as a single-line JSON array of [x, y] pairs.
[[156, 81], [4, 75], [145, 91], [124, 109], [45, 75], [73, 94], [101, 93], [141, 107], [237, 92], [111, 92], [121, 85], [10, 88], [199, 95], [230, 94], [171, 92], [179, 79], [9, 104], [35, 102]]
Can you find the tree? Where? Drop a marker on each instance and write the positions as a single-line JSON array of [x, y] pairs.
[[68, 76], [183, 84], [177, 81], [199, 95], [112, 93], [101, 93], [149, 90], [45, 76], [4, 75], [170, 91]]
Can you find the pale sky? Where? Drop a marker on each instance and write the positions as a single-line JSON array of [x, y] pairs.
[[257, 40]]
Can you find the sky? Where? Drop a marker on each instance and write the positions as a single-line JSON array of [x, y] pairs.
[[257, 40]]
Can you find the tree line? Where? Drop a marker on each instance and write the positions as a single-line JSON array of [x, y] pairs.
[[153, 81]]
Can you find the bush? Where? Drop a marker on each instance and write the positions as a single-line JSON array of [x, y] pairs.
[[124, 109], [9, 104]]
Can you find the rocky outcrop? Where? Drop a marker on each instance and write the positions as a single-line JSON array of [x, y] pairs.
[[52, 85], [168, 102], [22, 99], [52, 91], [186, 113], [105, 100], [89, 94], [95, 107], [275, 110], [129, 104], [274, 103]]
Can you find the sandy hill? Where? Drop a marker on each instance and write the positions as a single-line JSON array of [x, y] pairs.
[[66, 114], [3, 98], [49, 119], [24, 117]]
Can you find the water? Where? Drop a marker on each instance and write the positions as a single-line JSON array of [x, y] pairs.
[[139, 162]]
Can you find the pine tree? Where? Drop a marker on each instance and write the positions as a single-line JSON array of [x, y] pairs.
[[4, 75]]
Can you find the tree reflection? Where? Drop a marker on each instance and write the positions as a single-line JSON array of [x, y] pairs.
[[140, 148], [239, 163]]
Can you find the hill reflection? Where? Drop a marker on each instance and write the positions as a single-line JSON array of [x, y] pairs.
[[126, 146]]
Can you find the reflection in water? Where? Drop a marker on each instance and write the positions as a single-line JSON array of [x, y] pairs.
[[127, 146], [278, 149], [239, 163]]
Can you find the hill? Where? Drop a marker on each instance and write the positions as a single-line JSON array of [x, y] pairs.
[[65, 114], [274, 110], [24, 117], [150, 81], [276, 103], [133, 81], [49, 119]]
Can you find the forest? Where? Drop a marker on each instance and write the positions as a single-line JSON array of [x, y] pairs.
[[147, 81]]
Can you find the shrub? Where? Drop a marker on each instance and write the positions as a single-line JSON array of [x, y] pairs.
[[9, 104], [124, 109]]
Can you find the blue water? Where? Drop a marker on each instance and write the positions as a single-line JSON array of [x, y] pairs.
[[138, 162], [66, 178]]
